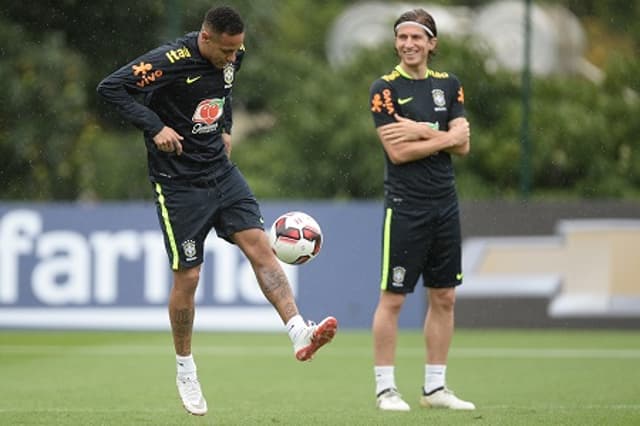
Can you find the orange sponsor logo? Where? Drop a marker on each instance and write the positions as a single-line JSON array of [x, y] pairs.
[[376, 103], [461, 95], [383, 101], [146, 74]]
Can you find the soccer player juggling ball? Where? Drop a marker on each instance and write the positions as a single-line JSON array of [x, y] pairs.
[[186, 119], [419, 117]]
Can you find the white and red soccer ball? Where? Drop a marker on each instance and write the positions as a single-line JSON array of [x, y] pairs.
[[295, 238]]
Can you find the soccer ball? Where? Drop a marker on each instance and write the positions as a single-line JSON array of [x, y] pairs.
[[295, 238]]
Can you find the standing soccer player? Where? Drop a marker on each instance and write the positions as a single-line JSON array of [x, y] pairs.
[[419, 117], [186, 118]]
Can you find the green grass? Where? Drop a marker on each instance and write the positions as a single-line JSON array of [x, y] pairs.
[[518, 377]]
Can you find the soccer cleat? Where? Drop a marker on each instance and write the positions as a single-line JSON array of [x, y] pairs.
[[314, 337], [391, 400], [444, 398], [191, 396]]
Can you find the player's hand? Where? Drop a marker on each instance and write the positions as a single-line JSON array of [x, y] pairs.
[[417, 130], [460, 131], [168, 140], [406, 130]]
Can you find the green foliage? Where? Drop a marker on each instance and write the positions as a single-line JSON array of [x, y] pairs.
[[101, 33], [116, 168], [59, 141], [322, 141], [43, 109]]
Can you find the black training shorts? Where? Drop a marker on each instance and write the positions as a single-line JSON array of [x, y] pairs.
[[188, 213], [421, 241]]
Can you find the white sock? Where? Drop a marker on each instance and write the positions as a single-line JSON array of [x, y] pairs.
[[385, 377], [434, 377], [295, 326], [186, 366]]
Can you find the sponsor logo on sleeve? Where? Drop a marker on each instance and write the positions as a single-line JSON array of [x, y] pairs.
[[146, 74], [383, 101]]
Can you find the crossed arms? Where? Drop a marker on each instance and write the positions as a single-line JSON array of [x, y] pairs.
[[407, 140]]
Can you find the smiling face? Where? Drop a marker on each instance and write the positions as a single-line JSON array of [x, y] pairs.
[[413, 45], [219, 49]]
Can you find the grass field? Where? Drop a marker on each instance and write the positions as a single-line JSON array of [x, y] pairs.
[[514, 377]]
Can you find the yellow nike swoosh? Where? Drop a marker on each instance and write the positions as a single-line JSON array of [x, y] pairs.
[[403, 101], [193, 80]]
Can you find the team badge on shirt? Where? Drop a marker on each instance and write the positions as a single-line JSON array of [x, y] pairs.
[[439, 99], [229, 73]]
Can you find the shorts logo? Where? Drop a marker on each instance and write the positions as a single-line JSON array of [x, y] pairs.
[[398, 276], [189, 249]]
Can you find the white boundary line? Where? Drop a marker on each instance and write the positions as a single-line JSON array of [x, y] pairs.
[[284, 349], [140, 318], [546, 407]]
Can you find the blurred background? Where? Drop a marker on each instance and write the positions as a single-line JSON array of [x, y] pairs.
[[550, 192]]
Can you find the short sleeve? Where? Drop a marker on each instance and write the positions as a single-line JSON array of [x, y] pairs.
[[457, 101], [382, 103]]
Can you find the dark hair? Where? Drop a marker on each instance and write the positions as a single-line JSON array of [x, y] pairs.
[[224, 19], [420, 16]]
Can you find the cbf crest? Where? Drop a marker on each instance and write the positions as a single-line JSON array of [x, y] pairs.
[[229, 74], [438, 97], [398, 276], [189, 249]]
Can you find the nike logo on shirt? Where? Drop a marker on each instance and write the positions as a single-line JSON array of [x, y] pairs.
[[403, 101], [193, 79]]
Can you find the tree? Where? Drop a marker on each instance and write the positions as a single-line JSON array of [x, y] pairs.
[[42, 114], [59, 141]]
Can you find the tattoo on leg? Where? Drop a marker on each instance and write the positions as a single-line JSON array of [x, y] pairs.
[[182, 327], [273, 283], [275, 286]]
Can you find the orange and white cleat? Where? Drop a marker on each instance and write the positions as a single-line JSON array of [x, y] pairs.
[[315, 337]]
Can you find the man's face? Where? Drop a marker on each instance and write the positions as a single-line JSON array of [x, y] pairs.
[[413, 45], [220, 49]]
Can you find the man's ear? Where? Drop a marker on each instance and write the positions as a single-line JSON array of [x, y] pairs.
[[205, 34]]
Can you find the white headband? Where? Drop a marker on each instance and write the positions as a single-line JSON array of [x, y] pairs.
[[424, 27]]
